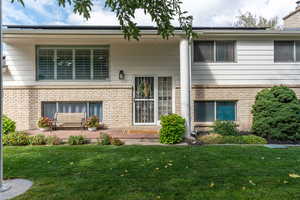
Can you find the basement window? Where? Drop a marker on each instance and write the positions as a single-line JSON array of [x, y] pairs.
[[210, 111], [90, 108]]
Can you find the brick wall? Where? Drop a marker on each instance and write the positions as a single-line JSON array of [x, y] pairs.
[[24, 104], [245, 97]]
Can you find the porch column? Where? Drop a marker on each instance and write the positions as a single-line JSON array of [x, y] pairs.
[[185, 84]]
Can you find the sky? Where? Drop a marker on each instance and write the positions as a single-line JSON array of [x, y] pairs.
[[205, 12]]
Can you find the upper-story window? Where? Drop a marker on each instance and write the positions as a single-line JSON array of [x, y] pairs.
[[72, 63], [287, 51], [214, 51]]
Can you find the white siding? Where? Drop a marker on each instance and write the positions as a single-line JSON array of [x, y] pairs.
[[148, 57], [255, 62], [255, 65]]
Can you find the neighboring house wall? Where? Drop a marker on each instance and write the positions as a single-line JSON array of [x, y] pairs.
[[292, 20]]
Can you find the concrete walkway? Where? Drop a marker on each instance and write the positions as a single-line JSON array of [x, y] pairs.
[[17, 187]]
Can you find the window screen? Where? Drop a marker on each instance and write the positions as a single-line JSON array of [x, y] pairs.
[[90, 108], [284, 51], [298, 51], [225, 111], [46, 64], [225, 51], [67, 63], [101, 64], [209, 111], [204, 111], [83, 64], [204, 51], [64, 64]]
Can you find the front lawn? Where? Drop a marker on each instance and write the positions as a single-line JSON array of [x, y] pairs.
[[158, 172]]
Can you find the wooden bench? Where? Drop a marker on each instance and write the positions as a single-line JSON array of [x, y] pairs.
[[69, 120]]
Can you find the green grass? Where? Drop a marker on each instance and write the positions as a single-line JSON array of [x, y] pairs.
[[131, 172]]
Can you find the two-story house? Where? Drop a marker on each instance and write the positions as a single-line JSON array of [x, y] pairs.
[[93, 69]]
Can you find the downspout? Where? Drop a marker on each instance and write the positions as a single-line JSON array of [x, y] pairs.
[[190, 87]]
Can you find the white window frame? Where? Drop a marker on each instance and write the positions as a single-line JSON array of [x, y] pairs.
[[73, 48]]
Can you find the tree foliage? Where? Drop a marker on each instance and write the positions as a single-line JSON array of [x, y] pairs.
[[248, 19], [162, 13]]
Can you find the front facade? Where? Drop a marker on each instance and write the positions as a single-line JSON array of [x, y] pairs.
[[132, 83]]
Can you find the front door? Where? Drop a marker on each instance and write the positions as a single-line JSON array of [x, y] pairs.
[[152, 99]]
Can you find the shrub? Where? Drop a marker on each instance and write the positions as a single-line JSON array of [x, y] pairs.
[[104, 139], [8, 125], [39, 139], [225, 128], [253, 139], [44, 122], [276, 114], [16, 139], [53, 140], [211, 139], [232, 140], [116, 142], [173, 128], [76, 140], [92, 122]]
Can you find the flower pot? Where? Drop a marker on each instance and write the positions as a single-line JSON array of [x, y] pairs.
[[44, 129], [92, 129]]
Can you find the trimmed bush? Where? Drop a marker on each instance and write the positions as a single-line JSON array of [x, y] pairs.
[[211, 139], [53, 140], [8, 125], [225, 128], [253, 139], [276, 114], [76, 140], [104, 139], [39, 139], [219, 139], [232, 140], [16, 139], [173, 129], [116, 142]]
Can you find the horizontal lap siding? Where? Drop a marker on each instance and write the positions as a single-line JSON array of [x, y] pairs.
[[255, 65], [154, 57]]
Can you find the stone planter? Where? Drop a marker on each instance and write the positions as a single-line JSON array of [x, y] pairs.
[[44, 129], [92, 129]]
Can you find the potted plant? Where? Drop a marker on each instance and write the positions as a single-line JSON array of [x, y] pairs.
[[92, 123], [44, 123]]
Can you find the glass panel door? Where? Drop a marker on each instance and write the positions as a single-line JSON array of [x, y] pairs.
[[164, 96], [144, 100]]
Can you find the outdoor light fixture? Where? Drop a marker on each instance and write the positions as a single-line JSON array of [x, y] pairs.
[[121, 75]]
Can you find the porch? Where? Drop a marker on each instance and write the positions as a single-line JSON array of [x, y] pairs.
[[125, 134]]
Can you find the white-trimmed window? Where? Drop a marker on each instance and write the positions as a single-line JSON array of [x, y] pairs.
[[72, 63], [215, 51], [286, 51], [209, 111]]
